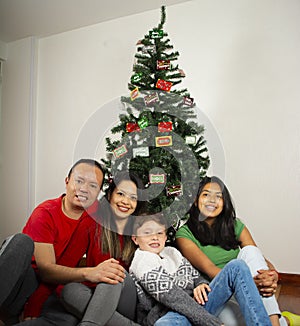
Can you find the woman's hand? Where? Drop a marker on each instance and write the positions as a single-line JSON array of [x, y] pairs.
[[200, 293], [266, 282]]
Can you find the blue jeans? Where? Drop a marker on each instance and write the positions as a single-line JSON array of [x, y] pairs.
[[234, 279], [172, 318], [255, 261]]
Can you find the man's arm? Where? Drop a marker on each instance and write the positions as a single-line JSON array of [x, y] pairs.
[[109, 271]]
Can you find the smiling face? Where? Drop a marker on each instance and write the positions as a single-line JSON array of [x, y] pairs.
[[82, 187], [123, 200], [210, 201], [151, 236]]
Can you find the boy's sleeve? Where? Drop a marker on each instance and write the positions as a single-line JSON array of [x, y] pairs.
[[178, 300], [171, 290], [158, 285], [197, 276]]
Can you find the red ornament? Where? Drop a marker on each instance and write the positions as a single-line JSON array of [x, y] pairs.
[[163, 64], [132, 126], [165, 126], [164, 85]]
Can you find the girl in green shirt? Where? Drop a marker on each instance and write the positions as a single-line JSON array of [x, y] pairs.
[[213, 236]]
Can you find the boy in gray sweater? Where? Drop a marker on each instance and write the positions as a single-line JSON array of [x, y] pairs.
[[168, 284]]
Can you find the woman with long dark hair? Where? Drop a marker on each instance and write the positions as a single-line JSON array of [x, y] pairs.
[[213, 236], [109, 302]]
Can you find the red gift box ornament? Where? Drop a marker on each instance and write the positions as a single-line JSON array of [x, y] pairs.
[[163, 64], [164, 85], [132, 126], [165, 126]]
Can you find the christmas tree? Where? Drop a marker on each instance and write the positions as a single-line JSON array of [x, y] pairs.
[[159, 137]]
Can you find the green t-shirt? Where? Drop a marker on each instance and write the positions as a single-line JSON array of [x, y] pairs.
[[219, 256]]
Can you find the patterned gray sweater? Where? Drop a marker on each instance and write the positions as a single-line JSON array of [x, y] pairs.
[[165, 282]]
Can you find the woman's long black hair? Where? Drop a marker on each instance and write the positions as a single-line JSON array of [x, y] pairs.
[[221, 232], [109, 238]]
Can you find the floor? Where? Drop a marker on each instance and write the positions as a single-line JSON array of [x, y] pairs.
[[289, 293]]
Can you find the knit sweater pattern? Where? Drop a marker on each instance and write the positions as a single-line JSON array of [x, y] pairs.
[[165, 282]]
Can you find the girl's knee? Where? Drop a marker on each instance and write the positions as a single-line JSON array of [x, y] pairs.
[[238, 264], [249, 252]]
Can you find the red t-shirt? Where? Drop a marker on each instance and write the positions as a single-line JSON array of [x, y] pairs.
[[70, 238]]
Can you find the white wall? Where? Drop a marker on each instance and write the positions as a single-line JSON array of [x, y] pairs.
[[17, 120], [241, 63], [3, 50]]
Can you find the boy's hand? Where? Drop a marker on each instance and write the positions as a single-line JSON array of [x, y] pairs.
[[200, 293]]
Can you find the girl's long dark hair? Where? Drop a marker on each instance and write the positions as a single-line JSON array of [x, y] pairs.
[[221, 232], [109, 238]]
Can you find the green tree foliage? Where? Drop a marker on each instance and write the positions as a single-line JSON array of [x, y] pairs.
[[159, 136]]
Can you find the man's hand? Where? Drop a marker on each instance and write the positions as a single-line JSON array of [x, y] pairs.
[[109, 271]]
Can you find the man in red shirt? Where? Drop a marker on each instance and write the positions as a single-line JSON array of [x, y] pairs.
[[59, 229]]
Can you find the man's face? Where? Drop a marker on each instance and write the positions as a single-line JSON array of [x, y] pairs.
[[83, 186]]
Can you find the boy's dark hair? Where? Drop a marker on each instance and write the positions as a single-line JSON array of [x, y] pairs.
[[142, 219]]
